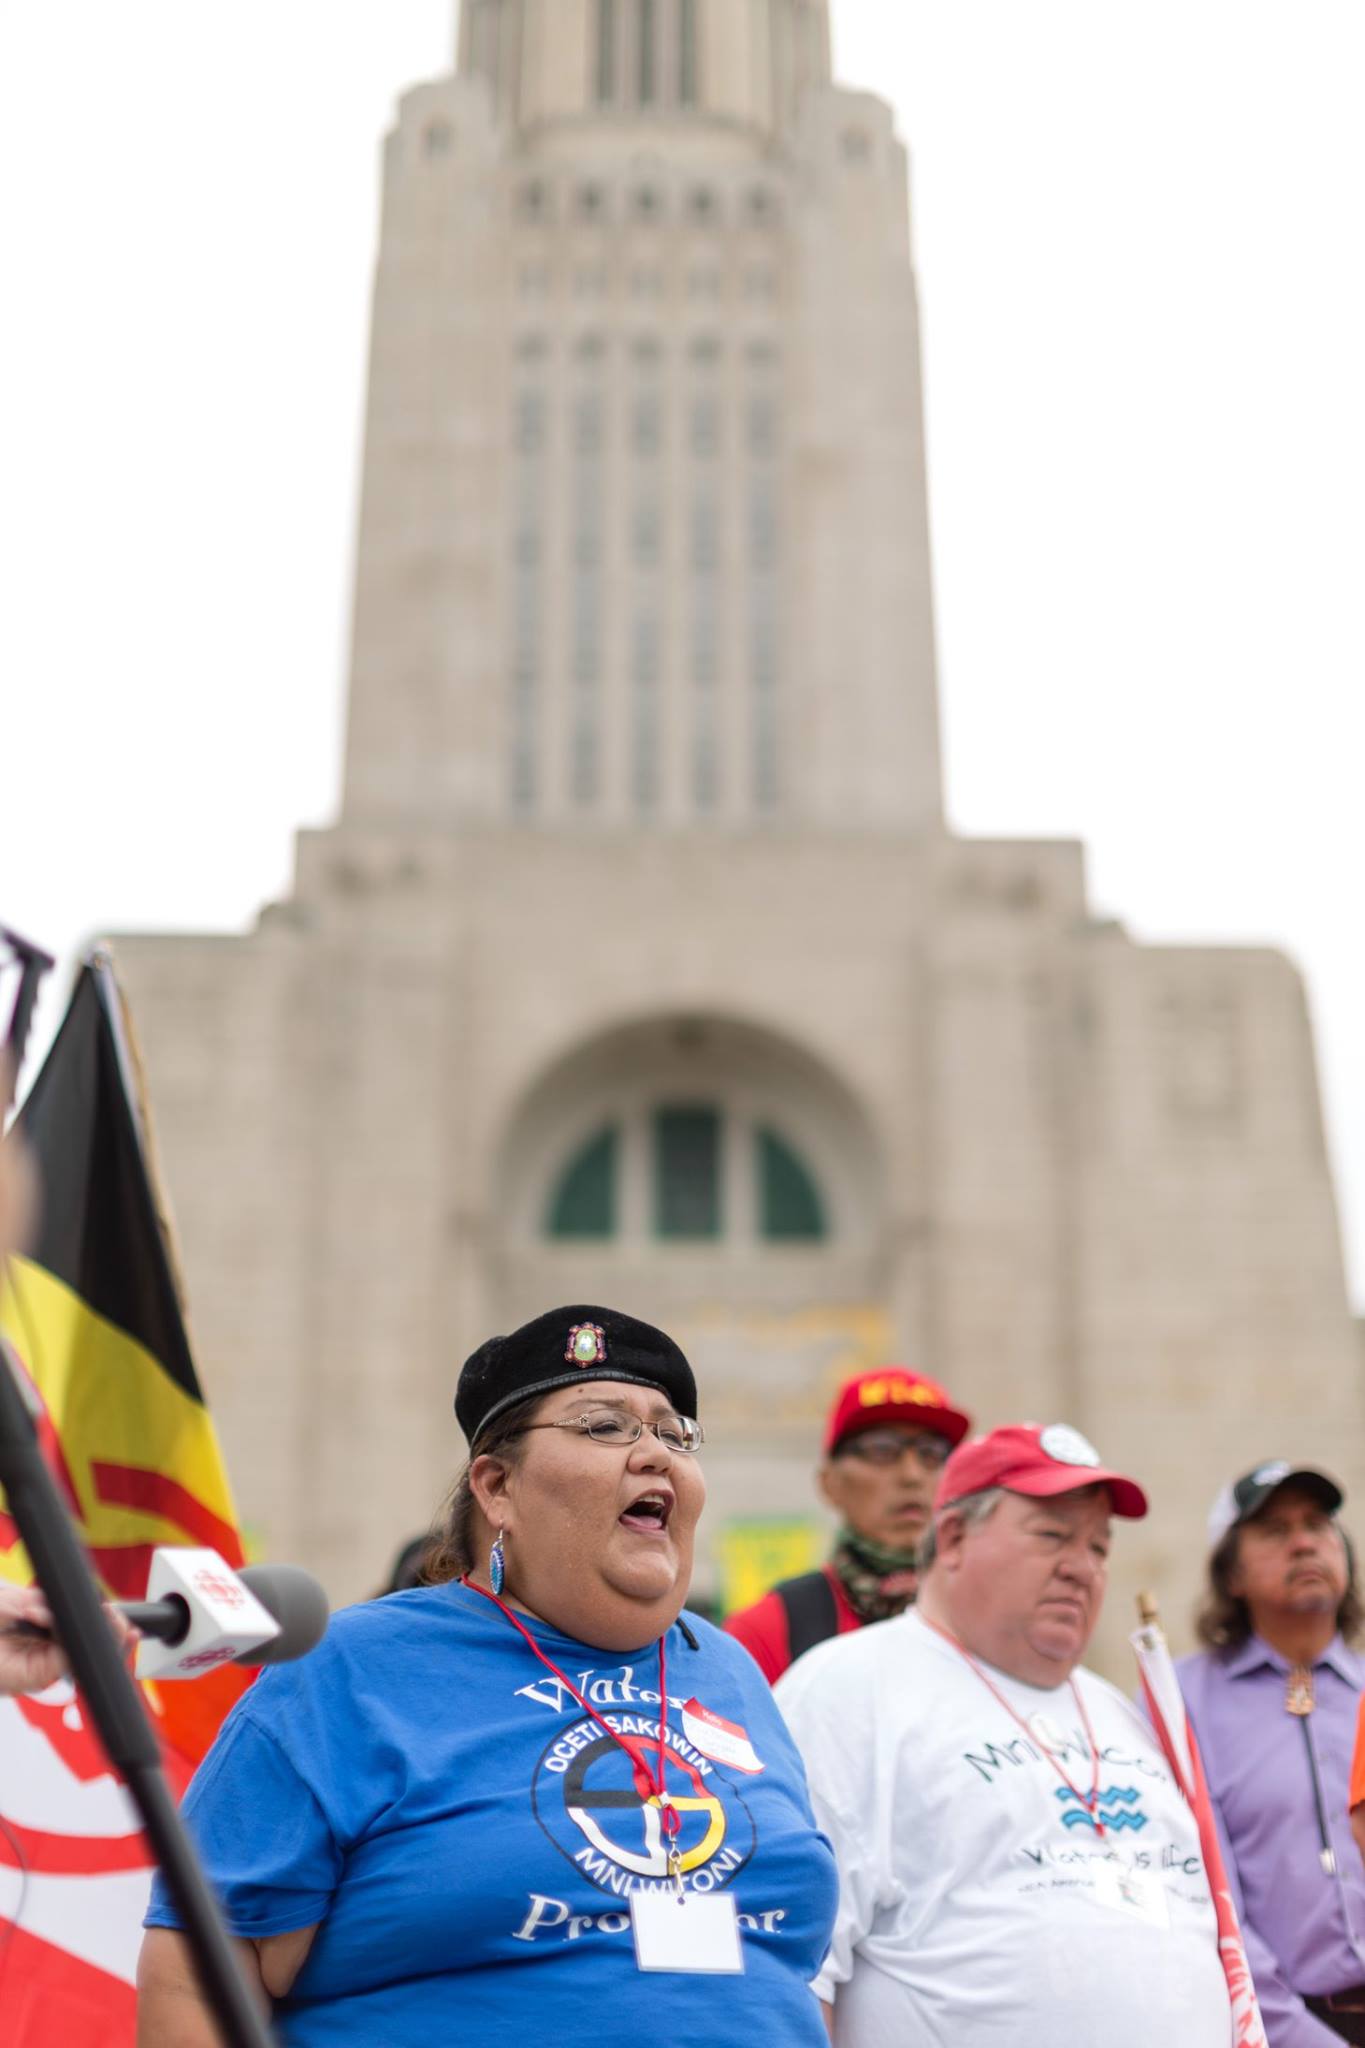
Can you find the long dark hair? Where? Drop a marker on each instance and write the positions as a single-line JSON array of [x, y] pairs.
[[1223, 1622], [452, 1551]]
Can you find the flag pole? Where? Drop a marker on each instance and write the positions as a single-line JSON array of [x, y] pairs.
[[1171, 1724], [34, 963]]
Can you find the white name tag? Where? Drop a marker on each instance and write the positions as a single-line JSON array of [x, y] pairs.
[[1139, 1892], [690, 1933]]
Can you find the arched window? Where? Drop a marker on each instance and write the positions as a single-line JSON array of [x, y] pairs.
[[686, 1173], [692, 1146], [583, 1203]]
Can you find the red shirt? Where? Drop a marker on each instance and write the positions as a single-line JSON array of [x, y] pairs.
[[762, 1628]]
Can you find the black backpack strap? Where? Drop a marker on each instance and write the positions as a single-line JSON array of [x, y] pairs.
[[812, 1614]]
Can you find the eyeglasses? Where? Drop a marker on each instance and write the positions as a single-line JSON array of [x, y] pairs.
[[889, 1446], [615, 1426]]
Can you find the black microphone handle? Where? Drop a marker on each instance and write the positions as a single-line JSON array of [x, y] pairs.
[[116, 1708], [167, 1620], [291, 1597]]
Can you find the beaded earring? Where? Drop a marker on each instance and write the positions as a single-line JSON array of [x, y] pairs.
[[497, 1564]]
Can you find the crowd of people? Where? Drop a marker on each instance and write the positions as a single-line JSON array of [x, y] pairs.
[[533, 1795]]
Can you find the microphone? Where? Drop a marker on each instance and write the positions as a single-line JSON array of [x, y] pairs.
[[296, 1601], [199, 1614]]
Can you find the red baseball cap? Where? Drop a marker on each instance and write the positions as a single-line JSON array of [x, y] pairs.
[[892, 1394], [1038, 1461]]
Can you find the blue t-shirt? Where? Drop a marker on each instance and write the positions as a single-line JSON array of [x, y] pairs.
[[466, 1839]]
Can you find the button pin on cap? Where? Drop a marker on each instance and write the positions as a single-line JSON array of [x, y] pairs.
[[1060, 1441]]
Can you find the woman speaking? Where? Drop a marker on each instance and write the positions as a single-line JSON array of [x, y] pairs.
[[531, 1801]]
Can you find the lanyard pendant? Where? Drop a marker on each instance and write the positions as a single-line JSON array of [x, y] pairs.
[[671, 1821]]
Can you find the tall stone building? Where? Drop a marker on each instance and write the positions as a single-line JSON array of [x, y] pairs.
[[639, 965]]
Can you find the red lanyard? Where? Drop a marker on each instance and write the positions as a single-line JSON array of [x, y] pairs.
[[670, 1818], [1092, 1804]]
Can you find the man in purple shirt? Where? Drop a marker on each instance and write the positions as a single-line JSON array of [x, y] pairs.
[[1273, 1699]]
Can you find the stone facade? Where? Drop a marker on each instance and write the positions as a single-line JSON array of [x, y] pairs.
[[642, 815]]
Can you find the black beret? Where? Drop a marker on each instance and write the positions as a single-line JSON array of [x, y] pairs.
[[564, 1345]]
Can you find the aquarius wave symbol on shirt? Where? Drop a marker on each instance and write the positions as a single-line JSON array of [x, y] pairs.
[[1115, 1809]]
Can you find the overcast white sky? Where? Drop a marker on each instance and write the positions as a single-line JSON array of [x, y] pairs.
[[1140, 232]]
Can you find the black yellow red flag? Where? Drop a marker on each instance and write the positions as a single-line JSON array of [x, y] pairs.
[[91, 1311]]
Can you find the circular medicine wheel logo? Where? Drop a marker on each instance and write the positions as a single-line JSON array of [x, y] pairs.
[[587, 1799]]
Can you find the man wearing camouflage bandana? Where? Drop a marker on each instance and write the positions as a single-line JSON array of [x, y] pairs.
[[886, 1439]]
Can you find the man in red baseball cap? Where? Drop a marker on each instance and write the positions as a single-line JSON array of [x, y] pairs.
[[886, 1439], [1016, 1861]]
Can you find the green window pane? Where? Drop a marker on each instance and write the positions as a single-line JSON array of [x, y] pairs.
[[789, 1201], [584, 1203], [687, 1173]]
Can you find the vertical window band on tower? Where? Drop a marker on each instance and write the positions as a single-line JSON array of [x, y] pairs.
[[687, 53], [763, 449], [646, 52], [763, 678], [707, 488], [645, 692], [604, 80], [703, 570], [528, 442], [585, 514], [645, 450], [486, 39]]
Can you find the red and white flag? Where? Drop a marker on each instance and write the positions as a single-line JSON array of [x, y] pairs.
[[1166, 1707], [75, 1871], [92, 1316]]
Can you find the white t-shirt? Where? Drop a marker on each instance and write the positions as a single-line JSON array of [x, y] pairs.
[[978, 1908]]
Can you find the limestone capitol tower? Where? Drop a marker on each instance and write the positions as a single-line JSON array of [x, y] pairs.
[[639, 966]]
